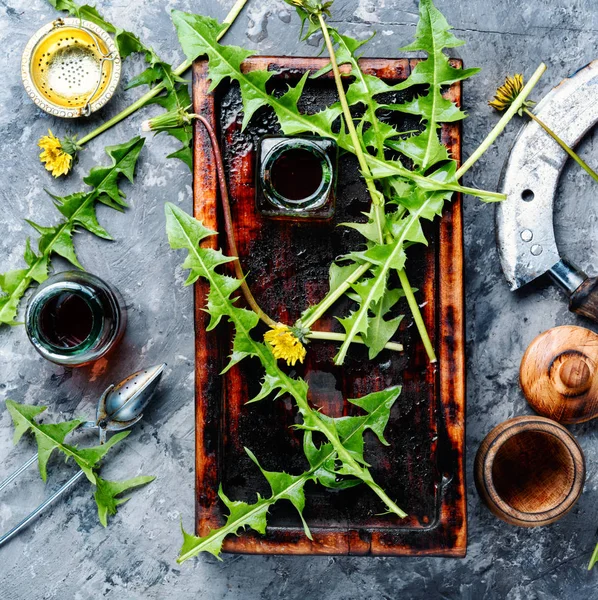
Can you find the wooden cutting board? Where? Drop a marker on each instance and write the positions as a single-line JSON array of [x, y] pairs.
[[287, 263]]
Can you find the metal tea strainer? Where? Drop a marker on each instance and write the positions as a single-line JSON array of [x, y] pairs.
[[120, 407], [70, 67]]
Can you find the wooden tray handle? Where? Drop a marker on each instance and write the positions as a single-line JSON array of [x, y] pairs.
[[558, 374]]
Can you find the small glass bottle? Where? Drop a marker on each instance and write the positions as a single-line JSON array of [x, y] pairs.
[[75, 318], [296, 177]]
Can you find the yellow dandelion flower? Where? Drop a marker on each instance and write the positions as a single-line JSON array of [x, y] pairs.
[[506, 95], [285, 344], [55, 158], [508, 92]]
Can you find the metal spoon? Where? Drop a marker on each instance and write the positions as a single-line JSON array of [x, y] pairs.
[[119, 408]]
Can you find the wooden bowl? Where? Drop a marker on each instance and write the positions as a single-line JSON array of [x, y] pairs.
[[530, 471]]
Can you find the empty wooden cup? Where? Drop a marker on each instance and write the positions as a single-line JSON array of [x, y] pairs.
[[558, 374], [530, 471]]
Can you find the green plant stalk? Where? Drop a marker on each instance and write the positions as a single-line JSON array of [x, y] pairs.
[[141, 102], [374, 193], [563, 145], [593, 559], [500, 126], [330, 298], [341, 337], [417, 316]]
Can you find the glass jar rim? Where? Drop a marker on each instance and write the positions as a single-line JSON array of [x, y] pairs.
[[108, 311], [96, 323], [313, 148]]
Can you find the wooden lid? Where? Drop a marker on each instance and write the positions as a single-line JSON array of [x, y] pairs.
[[558, 374]]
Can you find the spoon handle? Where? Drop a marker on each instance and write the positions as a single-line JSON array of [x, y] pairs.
[[70, 483], [14, 475]]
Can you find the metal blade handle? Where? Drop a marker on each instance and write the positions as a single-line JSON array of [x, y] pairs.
[[584, 301], [581, 289], [33, 515]]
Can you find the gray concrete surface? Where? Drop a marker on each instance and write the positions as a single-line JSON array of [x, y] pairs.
[[67, 554]]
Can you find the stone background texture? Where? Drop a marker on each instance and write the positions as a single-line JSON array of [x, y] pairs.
[[67, 553]]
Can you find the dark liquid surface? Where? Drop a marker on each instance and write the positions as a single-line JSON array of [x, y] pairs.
[[296, 174], [66, 320]]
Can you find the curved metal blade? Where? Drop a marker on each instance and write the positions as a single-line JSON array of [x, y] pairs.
[[524, 224]]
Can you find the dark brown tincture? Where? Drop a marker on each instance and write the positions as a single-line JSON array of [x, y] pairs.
[[297, 174], [66, 320]]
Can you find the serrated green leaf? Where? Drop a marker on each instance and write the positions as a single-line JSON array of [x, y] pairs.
[[286, 487], [78, 209], [51, 437], [420, 148], [21, 415], [363, 91], [128, 43], [186, 232], [433, 35], [381, 330], [198, 37], [377, 405], [107, 492], [323, 469], [241, 515], [368, 230], [88, 458], [350, 430], [124, 157], [370, 290], [272, 387]]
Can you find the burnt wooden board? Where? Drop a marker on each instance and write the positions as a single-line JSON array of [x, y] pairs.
[[288, 262]]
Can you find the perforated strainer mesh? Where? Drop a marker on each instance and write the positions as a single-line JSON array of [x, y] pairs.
[[72, 67]]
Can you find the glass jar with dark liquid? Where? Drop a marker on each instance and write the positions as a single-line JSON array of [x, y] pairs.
[[75, 318], [296, 177]]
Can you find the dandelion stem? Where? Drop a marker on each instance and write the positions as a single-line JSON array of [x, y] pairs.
[[504, 121], [330, 298], [341, 337], [228, 226], [365, 169], [563, 145], [141, 102], [417, 315]]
